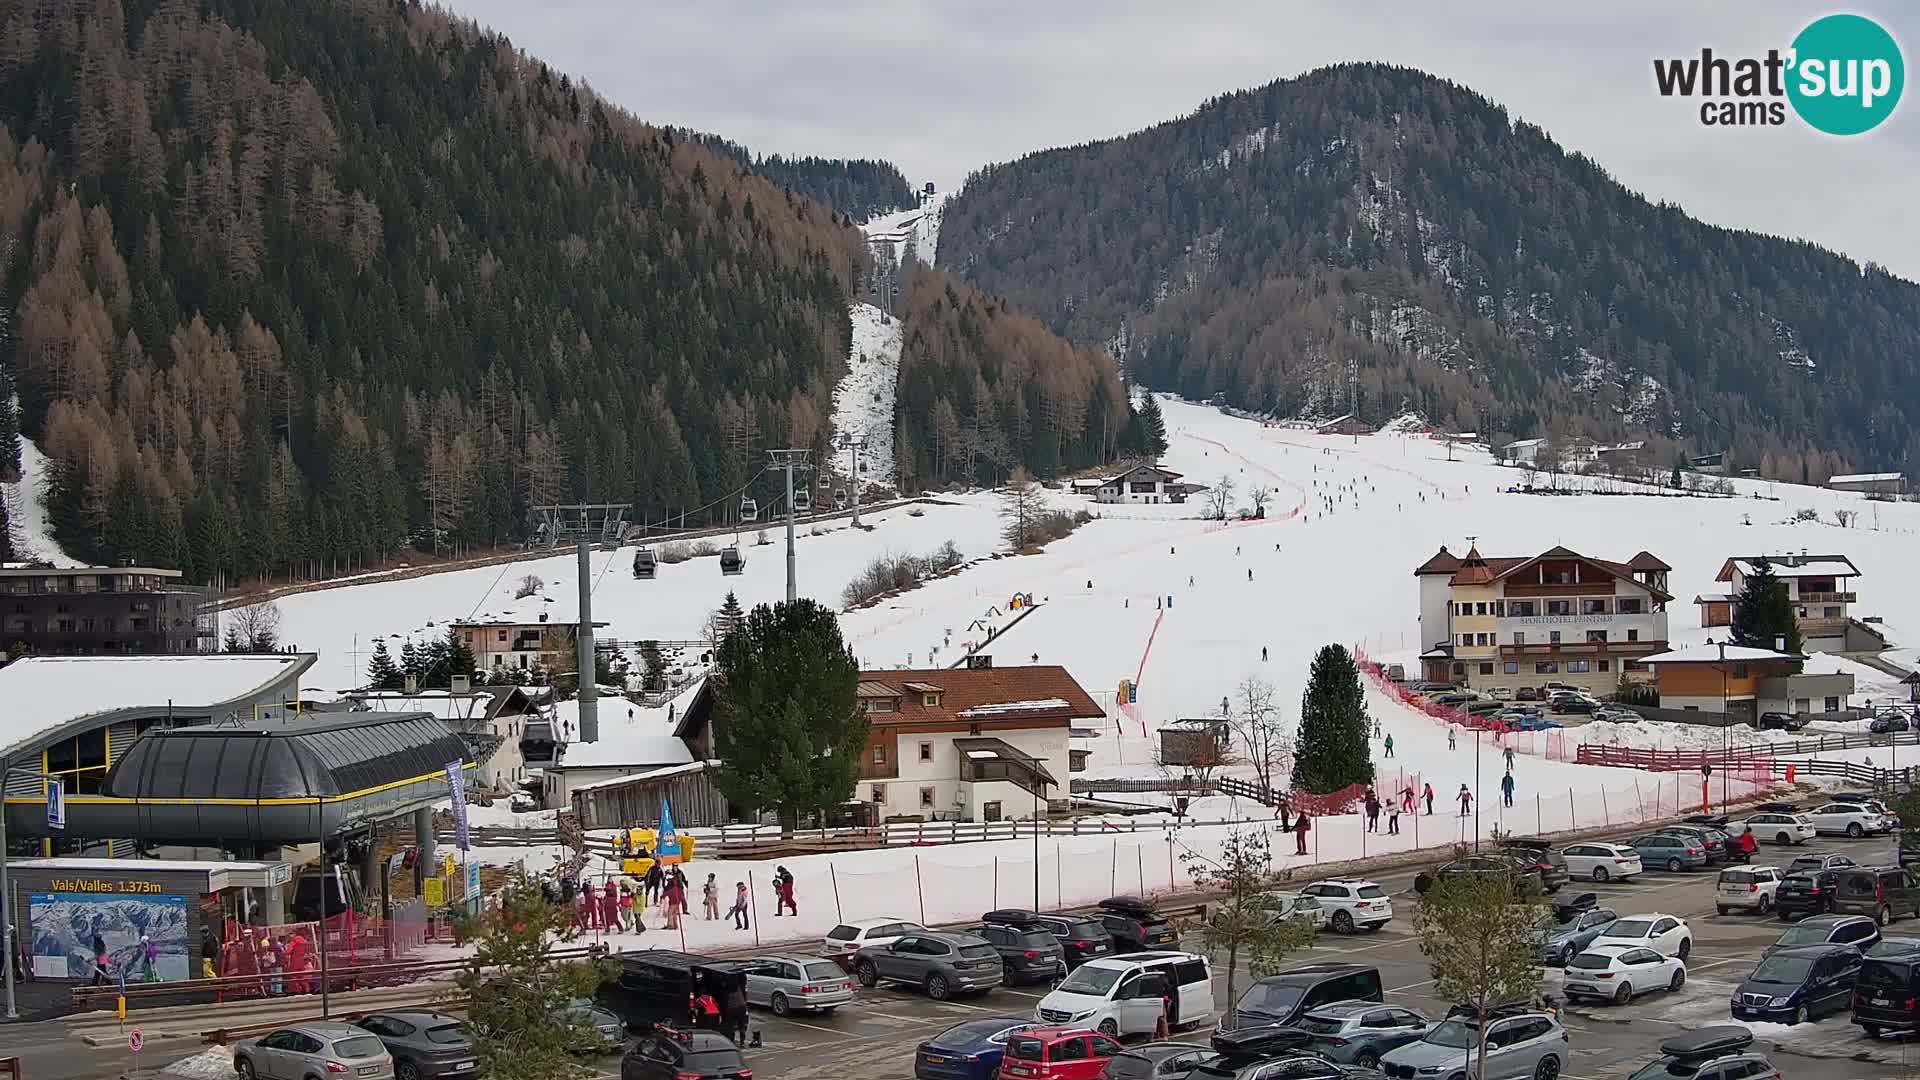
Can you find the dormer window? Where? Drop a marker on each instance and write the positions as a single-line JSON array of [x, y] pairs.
[[931, 701]]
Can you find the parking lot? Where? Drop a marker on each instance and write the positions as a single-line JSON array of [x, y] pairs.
[[874, 1038]]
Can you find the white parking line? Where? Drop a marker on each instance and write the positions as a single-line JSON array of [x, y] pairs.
[[1409, 986], [785, 1020]]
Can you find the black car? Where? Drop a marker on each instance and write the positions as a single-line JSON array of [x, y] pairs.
[[1234, 1051], [1781, 721], [1858, 932], [1081, 937], [1792, 986], [1886, 994], [1889, 722], [671, 1054], [1811, 884], [1521, 868], [1286, 997], [1028, 953], [1135, 925], [1547, 860], [653, 986], [1156, 1061], [1716, 1052]]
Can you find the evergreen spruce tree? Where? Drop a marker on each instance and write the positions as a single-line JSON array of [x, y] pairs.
[[1763, 616], [1153, 428], [459, 654], [728, 618], [785, 721], [412, 662], [382, 672], [9, 429], [1331, 751], [6, 530]]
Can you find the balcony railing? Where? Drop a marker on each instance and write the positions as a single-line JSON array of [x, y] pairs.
[[1828, 598], [1018, 775]]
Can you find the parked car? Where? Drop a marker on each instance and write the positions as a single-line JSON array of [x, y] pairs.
[[1713, 840], [1520, 870], [1720, 1052], [649, 986], [1883, 892], [1293, 904], [1886, 993], [1781, 829], [1270, 1052], [1750, 888], [423, 1044], [1805, 894], [1792, 986], [1121, 995], [1286, 997], [1571, 928], [849, 938], [1155, 1061], [1887, 723], [1617, 973], [1081, 937], [1352, 904], [789, 984], [1820, 864], [1519, 1043], [1668, 935], [303, 1050], [1547, 860], [1601, 862], [1501, 693], [599, 1028], [1526, 693], [1856, 931], [1057, 1053], [1360, 1032], [684, 1055], [1569, 703], [1781, 721], [1028, 953], [1671, 851], [940, 964], [1849, 819], [1889, 946], [969, 1050], [1617, 714], [1135, 924]]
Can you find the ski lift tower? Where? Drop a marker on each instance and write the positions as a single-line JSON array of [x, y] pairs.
[[854, 444], [585, 524], [790, 461]]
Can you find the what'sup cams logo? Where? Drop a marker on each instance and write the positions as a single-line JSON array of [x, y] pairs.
[[1842, 75]]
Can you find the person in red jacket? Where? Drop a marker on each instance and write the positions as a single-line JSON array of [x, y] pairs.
[[299, 961], [1748, 845], [1300, 828]]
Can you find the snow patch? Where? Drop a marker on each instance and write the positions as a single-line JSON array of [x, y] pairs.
[[26, 507], [1015, 706], [863, 402], [213, 1063], [913, 232]]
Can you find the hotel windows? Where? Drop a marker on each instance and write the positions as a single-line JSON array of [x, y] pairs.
[[1479, 609], [1512, 667], [1628, 605], [1546, 667], [1553, 636], [1578, 667], [1597, 635], [1486, 669], [1633, 635], [1559, 607]]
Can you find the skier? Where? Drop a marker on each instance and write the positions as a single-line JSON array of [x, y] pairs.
[[1393, 820], [1236, 551], [1373, 811], [739, 911], [1249, 573], [1466, 800], [1429, 798], [1189, 580], [1389, 745], [1450, 730], [1506, 788], [1376, 727], [1263, 654], [1509, 759], [1407, 799]]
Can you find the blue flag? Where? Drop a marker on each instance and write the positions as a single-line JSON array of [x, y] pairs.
[[667, 850]]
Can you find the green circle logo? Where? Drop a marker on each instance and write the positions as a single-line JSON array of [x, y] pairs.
[[1847, 74]]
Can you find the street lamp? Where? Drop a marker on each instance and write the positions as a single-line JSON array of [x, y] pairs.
[[1476, 788], [6, 888], [1725, 721]]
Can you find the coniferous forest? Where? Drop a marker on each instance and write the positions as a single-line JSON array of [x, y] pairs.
[[858, 189], [1375, 228]]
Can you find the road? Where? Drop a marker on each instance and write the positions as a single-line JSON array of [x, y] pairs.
[[874, 1039]]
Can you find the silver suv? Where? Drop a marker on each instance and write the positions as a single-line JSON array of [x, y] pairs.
[[1521, 1042], [321, 1049], [941, 964]]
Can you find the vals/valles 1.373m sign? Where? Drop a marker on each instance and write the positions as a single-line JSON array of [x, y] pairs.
[[1842, 75]]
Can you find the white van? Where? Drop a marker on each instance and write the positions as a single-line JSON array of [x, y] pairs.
[[1121, 995]]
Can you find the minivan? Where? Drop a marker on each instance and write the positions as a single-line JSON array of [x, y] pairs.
[[1122, 995], [1886, 994], [1792, 986], [1290, 995], [1884, 892]]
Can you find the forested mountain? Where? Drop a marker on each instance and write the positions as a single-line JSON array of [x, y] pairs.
[[859, 189], [1377, 220]]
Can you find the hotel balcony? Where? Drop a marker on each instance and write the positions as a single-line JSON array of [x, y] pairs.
[[1827, 598]]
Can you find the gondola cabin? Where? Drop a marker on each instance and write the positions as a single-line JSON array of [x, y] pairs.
[[731, 561], [644, 564]]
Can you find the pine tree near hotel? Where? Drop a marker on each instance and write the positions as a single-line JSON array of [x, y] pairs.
[[1763, 616], [1332, 751]]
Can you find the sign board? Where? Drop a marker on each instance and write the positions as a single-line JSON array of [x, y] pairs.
[[473, 880], [56, 805], [279, 874], [434, 891], [136, 1040], [457, 790], [667, 846]]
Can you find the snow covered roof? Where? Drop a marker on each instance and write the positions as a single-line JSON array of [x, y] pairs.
[[646, 774], [1791, 566], [1709, 653], [1044, 694], [1522, 444], [1714, 598], [629, 735], [1865, 478], [1016, 706], [44, 693]]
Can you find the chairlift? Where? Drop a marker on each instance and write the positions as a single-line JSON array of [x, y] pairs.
[[749, 508], [802, 501], [731, 564], [644, 564], [826, 482]]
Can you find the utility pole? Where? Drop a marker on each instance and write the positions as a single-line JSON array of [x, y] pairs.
[[855, 443], [585, 524], [788, 461]]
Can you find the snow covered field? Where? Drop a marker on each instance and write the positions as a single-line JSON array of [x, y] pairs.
[[863, 402]]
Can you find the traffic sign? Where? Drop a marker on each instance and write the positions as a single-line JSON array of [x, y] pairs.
[[56, 805], [136, 1040]]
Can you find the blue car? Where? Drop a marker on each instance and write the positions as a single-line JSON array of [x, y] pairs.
[[967, 1051]]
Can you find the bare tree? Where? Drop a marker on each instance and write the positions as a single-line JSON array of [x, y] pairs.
[[1263, 739], [1260, 495], [1845, 518], [1196, 759], [1220, 498], [528, 585], [254, 628], [1021, 506]]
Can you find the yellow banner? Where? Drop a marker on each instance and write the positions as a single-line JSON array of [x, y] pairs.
[[436, 892]]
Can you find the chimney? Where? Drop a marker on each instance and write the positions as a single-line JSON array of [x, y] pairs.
[[589, 690], [1779, 643], [413, 684], [461, 684]]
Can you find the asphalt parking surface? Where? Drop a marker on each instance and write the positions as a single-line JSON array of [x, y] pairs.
[[874, 1038]]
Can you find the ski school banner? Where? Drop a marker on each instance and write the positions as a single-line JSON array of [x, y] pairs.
[[667, 848]]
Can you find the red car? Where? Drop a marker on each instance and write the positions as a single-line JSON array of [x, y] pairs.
[[1056, 1053]]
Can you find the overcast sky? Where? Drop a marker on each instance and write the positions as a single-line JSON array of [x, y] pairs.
[[941, 87]]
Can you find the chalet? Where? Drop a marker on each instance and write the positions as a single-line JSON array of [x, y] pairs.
[[1880, 483], [1520, 452], [1820, 587], [1714, 464], [1142, 484], [1739, 683], [1621, 457], [528, 641], [1912, 683], [1345, 425], [1559, 616]]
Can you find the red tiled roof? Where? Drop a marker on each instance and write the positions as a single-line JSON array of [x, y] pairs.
[[1646, 560], [976, 688], [1443, 562], [1473, 569]]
